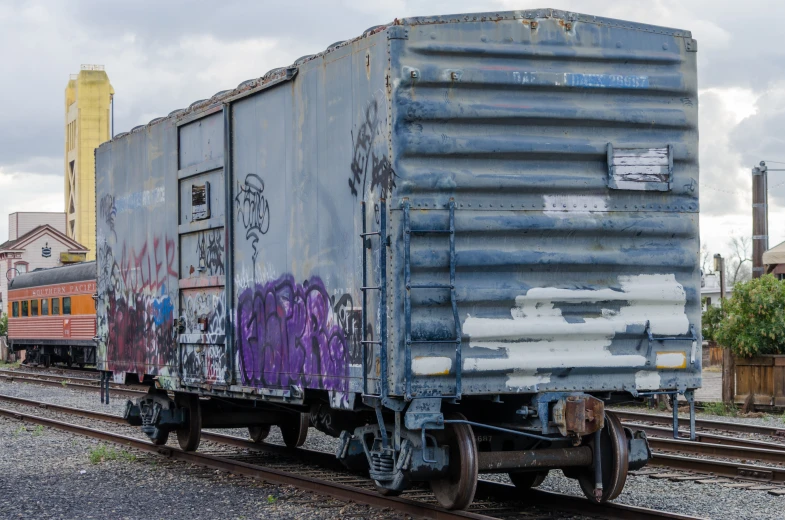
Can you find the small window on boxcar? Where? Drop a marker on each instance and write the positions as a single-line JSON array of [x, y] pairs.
[[24, 308], [67, 305], [44, 307], [33, 307], [55, 306], [15, 309]]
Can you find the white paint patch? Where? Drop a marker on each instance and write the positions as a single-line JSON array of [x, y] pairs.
[[527, 378], [647, 380], [431, 366], [574, 203], [539, 337], [671, 360]]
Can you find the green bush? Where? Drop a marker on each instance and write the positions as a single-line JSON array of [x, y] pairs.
[[3, 324], [754, 321], [710, 321]]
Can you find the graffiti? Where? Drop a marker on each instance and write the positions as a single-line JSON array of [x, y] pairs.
[[138, 316], [210, 251], [288, 333], [364, 157], [108, 212], [350, 320], [254, 210], [209, 305], [215, 364]]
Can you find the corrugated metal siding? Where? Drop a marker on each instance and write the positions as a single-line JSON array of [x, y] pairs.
[[514, 123], [43, 327]]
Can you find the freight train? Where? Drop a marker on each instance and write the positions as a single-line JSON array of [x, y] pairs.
[[450, 242], [51, 315]]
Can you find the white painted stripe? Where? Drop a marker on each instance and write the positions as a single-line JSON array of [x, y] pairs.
[[431, 366], [671, 360]]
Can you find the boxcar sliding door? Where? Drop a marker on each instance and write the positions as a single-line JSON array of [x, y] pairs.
[[202, 346]]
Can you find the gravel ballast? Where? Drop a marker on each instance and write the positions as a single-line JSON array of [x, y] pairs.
[[58, 459]]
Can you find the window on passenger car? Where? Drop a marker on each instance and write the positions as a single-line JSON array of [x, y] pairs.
[[55, 306], [44, 307], [15, 310], [67, 305], [24, 308], [33, 307]]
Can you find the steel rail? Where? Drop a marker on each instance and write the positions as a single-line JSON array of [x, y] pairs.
[[716, 450], [537, 497], [63, 383], [720, 468], [701, 423], [50, 377], [705, 438]]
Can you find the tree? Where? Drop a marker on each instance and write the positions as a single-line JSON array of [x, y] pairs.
[[3, 324], [754, 320], [706, 260], [711, 320], [739, 265]]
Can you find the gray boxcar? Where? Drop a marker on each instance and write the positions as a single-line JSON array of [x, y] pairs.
[[450, 241]]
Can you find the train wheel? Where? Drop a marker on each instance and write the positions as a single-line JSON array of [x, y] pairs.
[[524, 480], [613, 453], [259, 433], [190, 437], [456, 490], [295, 430]]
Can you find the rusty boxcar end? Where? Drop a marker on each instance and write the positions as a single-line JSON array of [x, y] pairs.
[[450, 242]]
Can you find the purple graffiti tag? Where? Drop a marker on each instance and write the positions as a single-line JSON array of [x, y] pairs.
[[287, 334]]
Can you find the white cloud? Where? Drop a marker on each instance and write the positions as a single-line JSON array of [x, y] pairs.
[[25, 191]]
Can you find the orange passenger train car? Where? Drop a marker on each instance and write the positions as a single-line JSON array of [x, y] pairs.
[[51, 315]]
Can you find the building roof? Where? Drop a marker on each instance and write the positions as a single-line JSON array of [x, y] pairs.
[[775, 255], [19, 243], [64, 274]]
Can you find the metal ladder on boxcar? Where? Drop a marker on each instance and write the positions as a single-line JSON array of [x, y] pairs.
[[408, 232], [382, 288]]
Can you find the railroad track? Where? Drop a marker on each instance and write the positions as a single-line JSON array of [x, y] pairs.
[[705, 424], [493, 500], [60, 370], [68, 382]]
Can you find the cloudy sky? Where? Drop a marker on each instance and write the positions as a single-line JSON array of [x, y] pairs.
[[163, 55]]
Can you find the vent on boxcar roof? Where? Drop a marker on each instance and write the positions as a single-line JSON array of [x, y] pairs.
[[640, 168], [247, 83], [273, 72], [175, 112], [334, 45], [372, 30], [303, 59]]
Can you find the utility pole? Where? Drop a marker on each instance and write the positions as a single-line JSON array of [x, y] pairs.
[[719, 267], [760, 217], [728, 363]]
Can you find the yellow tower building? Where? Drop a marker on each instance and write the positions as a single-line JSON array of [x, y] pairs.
[[88, 99]]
